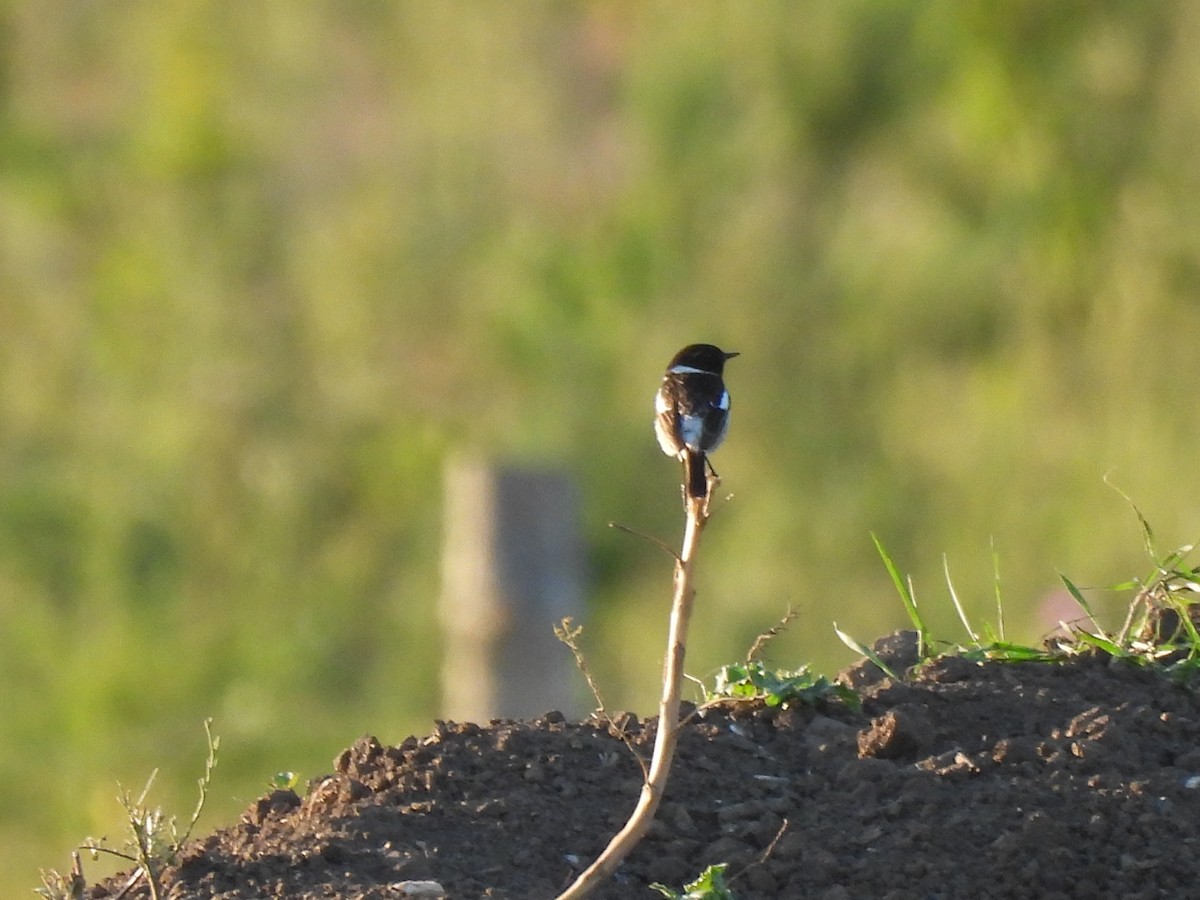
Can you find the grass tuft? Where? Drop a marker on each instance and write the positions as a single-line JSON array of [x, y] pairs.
[[1159, 630], [986, 643]]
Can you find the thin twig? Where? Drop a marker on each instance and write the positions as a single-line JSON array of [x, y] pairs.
[[766, 854], [645, 537], [770, 634], [567, 632], [1141, 599], [668, 711]]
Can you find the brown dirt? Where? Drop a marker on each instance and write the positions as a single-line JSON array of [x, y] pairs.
[[969, 780]]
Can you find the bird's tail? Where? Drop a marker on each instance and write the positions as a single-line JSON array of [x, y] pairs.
[[695, 474]]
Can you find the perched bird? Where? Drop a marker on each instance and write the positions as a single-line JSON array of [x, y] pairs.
[[691, 410]]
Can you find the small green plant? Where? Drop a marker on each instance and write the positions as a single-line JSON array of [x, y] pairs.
[[154, 840], [283, 781], [709, 886], [752, 680]]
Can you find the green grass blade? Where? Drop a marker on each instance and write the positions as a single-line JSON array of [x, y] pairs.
[[1112, 648], [996, 587], [1172, 560], [1083, 604], [962, 615], [1193, 637], [1002, 650], [864, 650], [1133, 584], [1147, 531], [907, 597]]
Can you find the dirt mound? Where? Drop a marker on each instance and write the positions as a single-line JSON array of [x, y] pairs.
[[1079, 779]]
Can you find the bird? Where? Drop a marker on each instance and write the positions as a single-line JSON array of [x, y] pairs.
[[691, 411]]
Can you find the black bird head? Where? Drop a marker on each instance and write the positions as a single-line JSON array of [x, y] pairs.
[[701, 358]]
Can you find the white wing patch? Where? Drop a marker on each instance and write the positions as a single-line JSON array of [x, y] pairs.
[[690, 429]]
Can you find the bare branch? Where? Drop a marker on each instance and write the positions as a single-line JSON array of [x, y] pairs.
[[668, 709]]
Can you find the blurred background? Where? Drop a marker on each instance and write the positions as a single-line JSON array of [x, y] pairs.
[[265, 267]]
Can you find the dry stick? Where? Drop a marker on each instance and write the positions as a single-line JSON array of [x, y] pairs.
[[668, 711], [568, 633]]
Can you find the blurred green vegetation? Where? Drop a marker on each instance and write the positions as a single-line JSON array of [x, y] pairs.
[[262, 266]]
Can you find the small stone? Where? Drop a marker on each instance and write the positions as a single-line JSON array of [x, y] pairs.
[[428, 889]]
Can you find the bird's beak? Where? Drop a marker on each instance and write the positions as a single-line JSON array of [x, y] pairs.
[[732, 355]]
